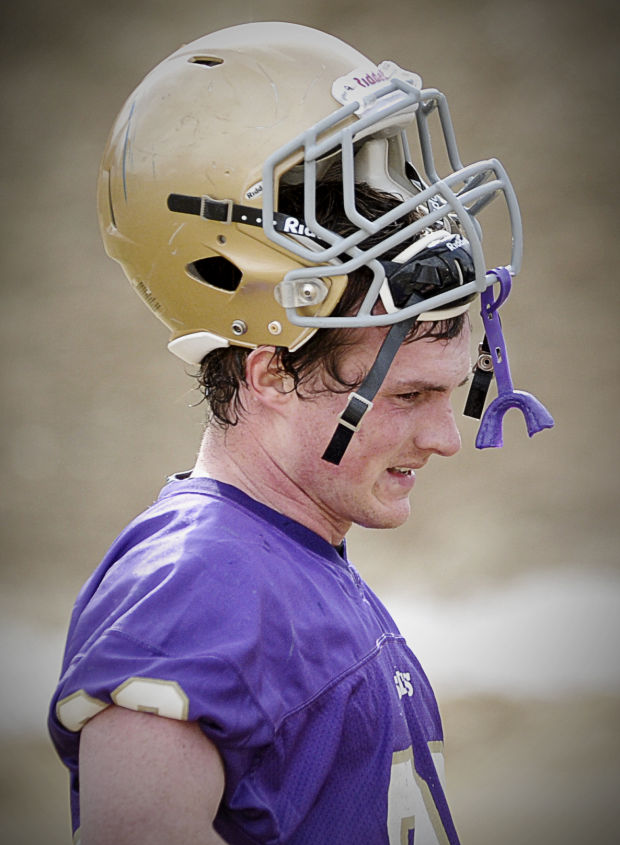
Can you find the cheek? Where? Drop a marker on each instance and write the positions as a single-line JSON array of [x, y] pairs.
[[387, 427], [380, 439], [315, 424]]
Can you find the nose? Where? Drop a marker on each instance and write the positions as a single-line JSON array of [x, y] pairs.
[[438, 433]]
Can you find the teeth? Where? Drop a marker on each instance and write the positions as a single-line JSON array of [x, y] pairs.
[[402, 470]]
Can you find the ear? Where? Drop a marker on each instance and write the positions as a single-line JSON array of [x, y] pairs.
[[266, 384]]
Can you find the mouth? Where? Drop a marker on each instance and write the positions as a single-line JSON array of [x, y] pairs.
[[403, 472]]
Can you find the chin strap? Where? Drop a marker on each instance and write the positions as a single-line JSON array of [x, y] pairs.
[[483, 376], [493, 358], [226, 211], [360, 400]]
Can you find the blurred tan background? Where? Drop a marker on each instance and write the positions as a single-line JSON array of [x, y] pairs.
[[506, 580]]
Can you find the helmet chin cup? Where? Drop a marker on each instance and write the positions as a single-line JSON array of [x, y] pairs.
[[536, 416]]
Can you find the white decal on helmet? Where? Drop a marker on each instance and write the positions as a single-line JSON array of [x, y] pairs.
[[255, 191], [362, 83]]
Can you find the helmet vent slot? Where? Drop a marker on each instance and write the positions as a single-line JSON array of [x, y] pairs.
[[207, 61], [217, 272]]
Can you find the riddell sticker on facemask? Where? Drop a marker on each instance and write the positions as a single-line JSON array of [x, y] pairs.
[[255, 191], [364, 83]]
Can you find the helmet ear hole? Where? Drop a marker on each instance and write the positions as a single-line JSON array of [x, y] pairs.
[[217, 272], [207, 61]]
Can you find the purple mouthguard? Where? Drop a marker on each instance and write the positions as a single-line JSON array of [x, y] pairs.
[[537, 417]]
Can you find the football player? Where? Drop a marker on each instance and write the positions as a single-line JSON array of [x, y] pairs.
[[228, 675]]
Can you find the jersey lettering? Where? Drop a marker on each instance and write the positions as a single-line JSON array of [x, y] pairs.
[[403, 683]]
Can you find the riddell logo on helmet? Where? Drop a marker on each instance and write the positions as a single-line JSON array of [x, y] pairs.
[[456, 242], [255, 191], [294, 226], [371, 78]]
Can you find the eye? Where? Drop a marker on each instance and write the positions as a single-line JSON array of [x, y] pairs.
[[409, 397]]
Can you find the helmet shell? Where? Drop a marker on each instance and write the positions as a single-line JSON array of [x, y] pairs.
[[202, 123]]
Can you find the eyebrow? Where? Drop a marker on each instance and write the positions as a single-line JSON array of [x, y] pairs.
[[426, 386]]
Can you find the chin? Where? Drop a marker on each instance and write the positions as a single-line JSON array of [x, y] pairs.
[[387, 517]]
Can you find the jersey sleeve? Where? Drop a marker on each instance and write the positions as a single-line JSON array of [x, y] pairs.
[[157, 634], [120, 669]]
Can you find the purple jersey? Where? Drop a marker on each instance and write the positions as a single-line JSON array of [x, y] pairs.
[[214, 608]]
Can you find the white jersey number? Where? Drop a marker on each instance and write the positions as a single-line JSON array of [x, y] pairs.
[[410, 803], [149, 695]]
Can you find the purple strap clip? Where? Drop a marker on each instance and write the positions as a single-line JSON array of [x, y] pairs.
[[536, 415]]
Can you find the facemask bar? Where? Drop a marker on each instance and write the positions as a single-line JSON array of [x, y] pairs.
[[462, 195]]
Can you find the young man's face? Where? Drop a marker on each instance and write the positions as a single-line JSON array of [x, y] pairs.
[[411, 420]]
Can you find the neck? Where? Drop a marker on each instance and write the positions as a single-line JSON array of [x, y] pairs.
[[236, 456]]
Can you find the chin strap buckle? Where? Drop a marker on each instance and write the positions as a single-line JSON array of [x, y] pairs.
[[537, 417], [349, 422], [353, 414]]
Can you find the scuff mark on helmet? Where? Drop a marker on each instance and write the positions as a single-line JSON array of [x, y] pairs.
[[126, 149]]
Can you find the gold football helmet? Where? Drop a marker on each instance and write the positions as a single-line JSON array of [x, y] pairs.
[[189, 186]]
